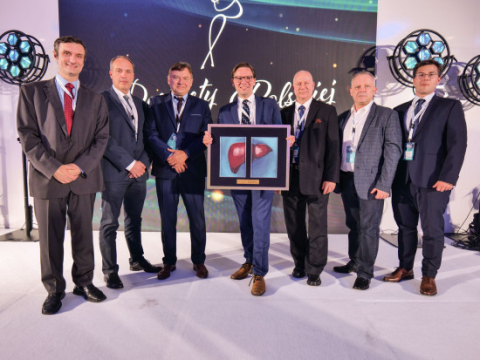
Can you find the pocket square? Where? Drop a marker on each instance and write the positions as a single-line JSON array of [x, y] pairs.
[[318, 121]]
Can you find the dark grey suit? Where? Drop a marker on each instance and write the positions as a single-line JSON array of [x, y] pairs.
[[47, 145], [376, 160], [123, 148]]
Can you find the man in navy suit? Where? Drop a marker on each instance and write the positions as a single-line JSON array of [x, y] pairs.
[[124, 167], [435, 141], [371, 147], [254, 207], [174, 136], [314, 172]]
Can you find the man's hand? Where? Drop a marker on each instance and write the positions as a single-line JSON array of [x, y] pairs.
[[178, 158], [380, 194], [328, 187], [137, 170], [65, 174], [291, 138], [442, 186], [207, 139], [180, 168]]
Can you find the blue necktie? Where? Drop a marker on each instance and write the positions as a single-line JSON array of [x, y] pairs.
[[245, 113]]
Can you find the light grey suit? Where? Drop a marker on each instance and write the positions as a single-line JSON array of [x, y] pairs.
[[43, 134], [376, 160]]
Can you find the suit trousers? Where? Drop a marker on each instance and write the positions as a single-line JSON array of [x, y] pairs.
[[254, 209], [363, 217], [192, 192], [309, 249], [409, 203], [51, 216], [132, 194]]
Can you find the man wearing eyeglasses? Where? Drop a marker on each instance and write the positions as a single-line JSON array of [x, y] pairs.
[[254, 207], [435, 141], [174, 135]]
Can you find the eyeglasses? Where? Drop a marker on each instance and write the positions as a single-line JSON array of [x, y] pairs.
[[239, 79], [430, 75]]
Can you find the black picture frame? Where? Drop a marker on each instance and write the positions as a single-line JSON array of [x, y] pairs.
[[248, 157]]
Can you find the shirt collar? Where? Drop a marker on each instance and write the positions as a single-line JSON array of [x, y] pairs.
[[364, 109], [184, 97], [306, 104], [426, 98], [251, 99], [64, 82], [121, 94]]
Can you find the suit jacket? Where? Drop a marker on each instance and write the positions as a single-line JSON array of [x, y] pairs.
[[43, 134], [378, 150], [319, 146], [123, 148], [160, 126], [266, 112], [440, 144]]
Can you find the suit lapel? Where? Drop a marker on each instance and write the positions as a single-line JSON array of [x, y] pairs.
[[291, 118], [234, 111], [314, 106], [169, 105], [368, 122], [343, 121], [51, 94], [259, 110], [426, 115], [116, 100]]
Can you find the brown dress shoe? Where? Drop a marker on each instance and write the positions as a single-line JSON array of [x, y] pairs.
[[243, 272], [428, 286], [201, 270], [165, 272], [258, 287], [398, 275]]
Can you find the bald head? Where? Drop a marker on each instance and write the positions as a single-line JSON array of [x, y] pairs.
[[303, 86]]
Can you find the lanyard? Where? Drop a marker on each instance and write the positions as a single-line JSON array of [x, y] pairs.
[[414, 123], [65, 90]]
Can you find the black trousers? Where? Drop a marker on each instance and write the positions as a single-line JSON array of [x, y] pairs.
[[309, 249], [363, 217], [51, 216], [410, 203], [132, 194]]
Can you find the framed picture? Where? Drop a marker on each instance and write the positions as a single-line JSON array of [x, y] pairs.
[[248, 157]]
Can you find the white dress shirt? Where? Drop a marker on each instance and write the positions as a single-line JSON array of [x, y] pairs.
[[251, 105]]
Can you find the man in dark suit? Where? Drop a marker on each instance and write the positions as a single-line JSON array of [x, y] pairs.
[[371, 147], [254, 207], [314, 172], [174, 136], [63, 128], [124, 170], [435, 141]]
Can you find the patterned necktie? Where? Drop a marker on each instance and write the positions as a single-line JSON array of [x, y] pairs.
[[245, 113], [179, 108], [418, 107], [67, 108], [130, 113]]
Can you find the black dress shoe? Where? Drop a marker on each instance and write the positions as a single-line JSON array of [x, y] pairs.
[[52, 303], [113, 281], [90, 293], [314, 280], [345, 269], [144, 264], [298, 273], [361, 283]]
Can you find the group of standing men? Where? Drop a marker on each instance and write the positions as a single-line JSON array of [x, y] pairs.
[[79, 142]]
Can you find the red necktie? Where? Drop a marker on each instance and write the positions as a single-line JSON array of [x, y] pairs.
[[67, 108]]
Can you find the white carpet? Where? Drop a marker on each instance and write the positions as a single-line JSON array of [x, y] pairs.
[[184, 317]]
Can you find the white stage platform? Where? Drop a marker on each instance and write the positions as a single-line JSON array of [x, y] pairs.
[[184, 317]]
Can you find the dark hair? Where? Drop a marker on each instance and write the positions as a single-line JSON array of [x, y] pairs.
[[68, 39], [179, 66], [244, 64], [425, 63], [121, 57]]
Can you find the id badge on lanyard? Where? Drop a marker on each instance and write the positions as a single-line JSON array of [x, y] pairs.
[[409, 151]]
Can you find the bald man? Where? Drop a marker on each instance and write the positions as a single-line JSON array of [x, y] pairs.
[[314, 172]]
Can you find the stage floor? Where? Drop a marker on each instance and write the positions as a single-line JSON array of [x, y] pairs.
[[184, 317]]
